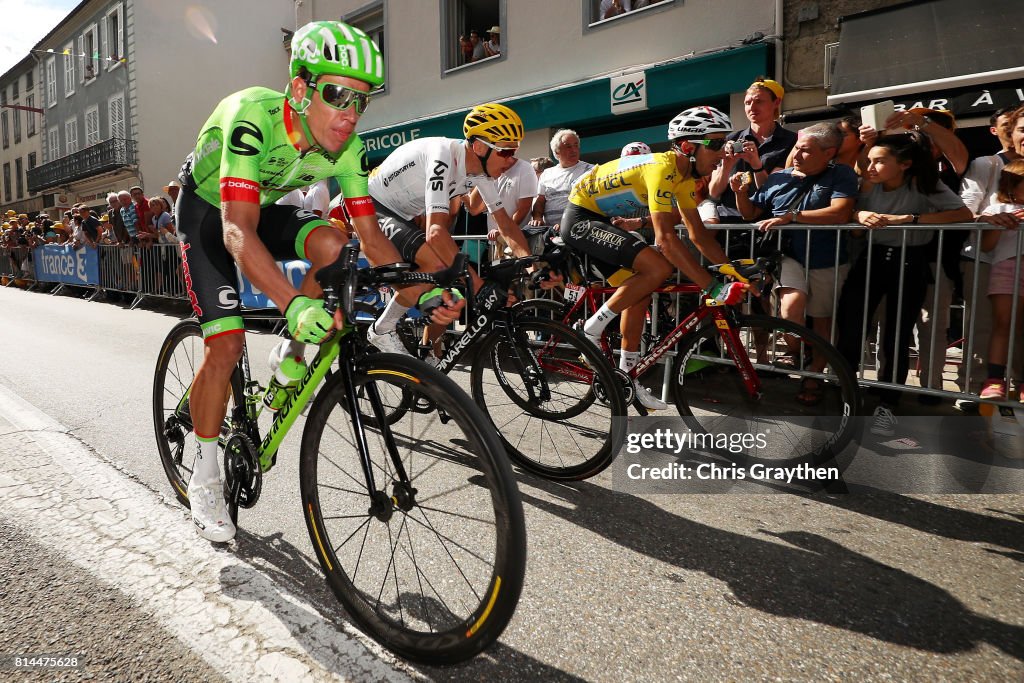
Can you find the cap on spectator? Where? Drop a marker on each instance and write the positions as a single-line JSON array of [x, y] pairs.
[[12, 212], [173, 183], [635, 148], [104, 218], [59, 226], [22, 215], [943, 117], [495, 29], [774, 86]]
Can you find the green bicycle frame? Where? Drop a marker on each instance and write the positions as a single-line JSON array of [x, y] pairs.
[[304, 391]]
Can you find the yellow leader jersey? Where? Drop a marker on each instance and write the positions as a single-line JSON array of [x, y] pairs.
[[634, 186]]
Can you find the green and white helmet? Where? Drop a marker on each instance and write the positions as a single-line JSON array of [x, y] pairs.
[[331, 47]]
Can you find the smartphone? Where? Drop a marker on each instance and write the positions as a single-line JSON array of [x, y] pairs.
[[875, 115]]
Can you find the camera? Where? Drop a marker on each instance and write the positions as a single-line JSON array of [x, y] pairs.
[[734, 146]]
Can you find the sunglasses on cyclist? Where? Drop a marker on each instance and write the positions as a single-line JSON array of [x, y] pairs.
[[713, 145], [340, 97], [503, 152]]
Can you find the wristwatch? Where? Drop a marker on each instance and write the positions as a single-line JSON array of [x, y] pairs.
[[792, 215], [916, 218]]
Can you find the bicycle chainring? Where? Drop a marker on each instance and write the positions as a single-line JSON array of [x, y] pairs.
[[624, 382], [243, 478]]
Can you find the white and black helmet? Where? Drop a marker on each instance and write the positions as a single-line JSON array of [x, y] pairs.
[[698, 122]]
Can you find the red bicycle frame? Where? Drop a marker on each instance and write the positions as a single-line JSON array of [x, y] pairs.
[[587, 301]]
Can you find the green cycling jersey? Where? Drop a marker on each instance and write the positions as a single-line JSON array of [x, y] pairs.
[[246, 152]]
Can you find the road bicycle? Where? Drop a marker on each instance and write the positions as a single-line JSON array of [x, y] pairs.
[[735, 373], [555, 400], [408, 498]]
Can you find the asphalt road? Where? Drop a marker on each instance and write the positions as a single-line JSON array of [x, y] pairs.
[[619, 586]]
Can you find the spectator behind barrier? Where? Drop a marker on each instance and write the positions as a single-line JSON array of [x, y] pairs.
[[902, 187], [555, 183], [141, 207], [765, 146], [129, 216], [1001, 244], [816, 191], [979, 194]]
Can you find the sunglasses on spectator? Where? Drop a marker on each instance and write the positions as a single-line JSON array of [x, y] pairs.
[[713, 145], [503, 152], [339, 97]]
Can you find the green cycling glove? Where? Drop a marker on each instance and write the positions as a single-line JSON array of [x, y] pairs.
[[308, 322]]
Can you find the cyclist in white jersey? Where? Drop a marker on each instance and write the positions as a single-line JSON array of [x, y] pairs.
[[418, 188]]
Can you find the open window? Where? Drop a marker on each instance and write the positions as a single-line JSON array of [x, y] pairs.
[[90, 59], [113, 37], [600, 11], [472, 31]]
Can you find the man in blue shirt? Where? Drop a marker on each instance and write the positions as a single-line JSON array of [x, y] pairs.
[[814, 191]]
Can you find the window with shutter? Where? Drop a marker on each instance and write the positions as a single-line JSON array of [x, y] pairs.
[[71, 136], [117, 116], [69, 70], [51, 81], [92, 126], [53, 144]]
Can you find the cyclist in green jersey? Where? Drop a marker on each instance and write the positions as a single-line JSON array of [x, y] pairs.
[[257, 146]]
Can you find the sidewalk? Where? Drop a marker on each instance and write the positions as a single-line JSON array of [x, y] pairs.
[[110, 571]]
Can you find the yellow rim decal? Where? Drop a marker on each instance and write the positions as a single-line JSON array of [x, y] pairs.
[[722, 324], [487, 611], [323, 553], [392, 372]]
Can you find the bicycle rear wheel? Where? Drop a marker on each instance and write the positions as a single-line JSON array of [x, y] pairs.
[[554, 398], [808, 393], [432, 569], [176, 366]]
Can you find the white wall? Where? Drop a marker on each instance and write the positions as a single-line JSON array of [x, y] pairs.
[[180, 74], [546, 46]]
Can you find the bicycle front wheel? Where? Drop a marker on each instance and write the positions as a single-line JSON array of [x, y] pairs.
[[554, 398], [431, 563], [807, 399], [180, 356]]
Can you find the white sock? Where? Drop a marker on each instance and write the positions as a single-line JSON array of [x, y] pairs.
[[628, 360], [596, 323], [388, 320], [206, 469]]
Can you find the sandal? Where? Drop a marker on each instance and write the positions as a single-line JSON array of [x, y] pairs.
[[811, 392]]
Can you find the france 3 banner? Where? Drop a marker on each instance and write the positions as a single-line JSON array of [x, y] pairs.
[[61, 263]]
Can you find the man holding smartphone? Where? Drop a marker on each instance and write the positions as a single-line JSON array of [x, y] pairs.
[[762, 147]]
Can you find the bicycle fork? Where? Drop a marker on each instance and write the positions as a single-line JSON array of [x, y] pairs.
[[403, 494]]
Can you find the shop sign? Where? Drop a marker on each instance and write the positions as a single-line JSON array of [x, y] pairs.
[[628, 92]]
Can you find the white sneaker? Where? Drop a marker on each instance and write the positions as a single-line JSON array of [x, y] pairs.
[[210, 512], [885, 422], [387, 342], [647, 399]]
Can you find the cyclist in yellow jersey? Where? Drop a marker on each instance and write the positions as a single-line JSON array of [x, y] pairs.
[[651, 187]]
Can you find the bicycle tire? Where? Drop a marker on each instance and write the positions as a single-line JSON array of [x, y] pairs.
[[573, 433], [467, 517], [710, 395], [179, 357]]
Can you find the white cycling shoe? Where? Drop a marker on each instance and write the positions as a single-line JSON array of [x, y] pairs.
[[387, 342], [210, 512], [647, 399]]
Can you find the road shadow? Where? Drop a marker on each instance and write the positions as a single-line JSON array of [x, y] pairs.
[[276, 563], [796, 574]]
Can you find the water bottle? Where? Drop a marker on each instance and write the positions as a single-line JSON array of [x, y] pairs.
[[287, 369]]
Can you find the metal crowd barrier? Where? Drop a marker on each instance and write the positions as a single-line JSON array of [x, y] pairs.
[[932, 353], [155, 271]]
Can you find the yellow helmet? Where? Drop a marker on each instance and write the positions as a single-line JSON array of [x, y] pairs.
[[494, 123]]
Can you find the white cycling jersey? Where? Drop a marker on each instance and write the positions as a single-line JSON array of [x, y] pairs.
[[422, 176]]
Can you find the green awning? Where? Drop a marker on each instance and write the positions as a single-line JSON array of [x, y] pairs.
[[673, 84]]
